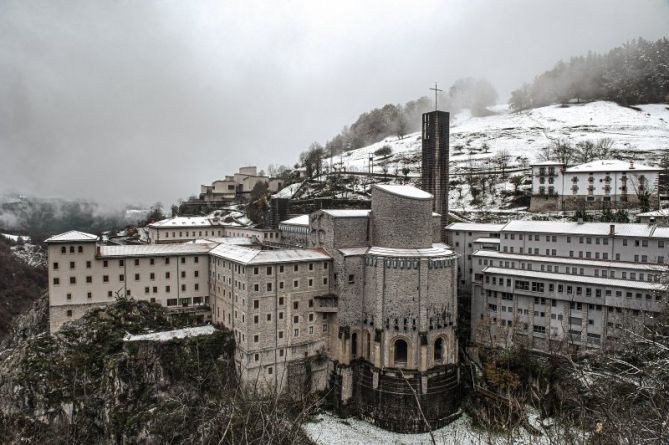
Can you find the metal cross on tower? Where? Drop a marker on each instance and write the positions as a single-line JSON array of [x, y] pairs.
[[436, 92]]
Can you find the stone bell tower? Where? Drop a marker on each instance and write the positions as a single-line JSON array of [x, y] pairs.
[[435, 162]]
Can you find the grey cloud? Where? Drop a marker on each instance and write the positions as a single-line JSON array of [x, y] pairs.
[[125, 101]]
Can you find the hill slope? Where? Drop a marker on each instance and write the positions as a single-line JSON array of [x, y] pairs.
[[525, 133]]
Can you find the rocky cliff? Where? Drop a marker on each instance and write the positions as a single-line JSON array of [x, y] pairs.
[[87, 385]]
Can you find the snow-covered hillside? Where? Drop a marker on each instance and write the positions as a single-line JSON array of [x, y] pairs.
[[476, 144], [525, 133]]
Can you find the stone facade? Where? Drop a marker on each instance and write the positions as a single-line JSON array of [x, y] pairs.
[[368, 305]]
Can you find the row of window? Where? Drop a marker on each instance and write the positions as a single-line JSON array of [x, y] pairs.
[[121, 277], [605, 273], [564, 289]]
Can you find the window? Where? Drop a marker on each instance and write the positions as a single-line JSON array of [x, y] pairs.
[[296, 283], [69, 312], [296, 305], [269, 287], [256, 304], [351, 279], [105, 278]]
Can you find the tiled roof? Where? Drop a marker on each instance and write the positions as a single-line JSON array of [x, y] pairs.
[[72, 236], [254, 256], [609, 165], [437, 250], [156, 250]]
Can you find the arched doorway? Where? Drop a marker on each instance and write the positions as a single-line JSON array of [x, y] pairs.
[[438, 351], [400, 353], [354, 345]]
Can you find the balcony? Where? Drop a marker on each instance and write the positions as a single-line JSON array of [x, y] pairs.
[[326, 304]]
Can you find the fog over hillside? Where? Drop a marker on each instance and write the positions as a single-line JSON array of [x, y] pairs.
[[141, 102]]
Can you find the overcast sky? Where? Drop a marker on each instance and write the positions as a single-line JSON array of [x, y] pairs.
[[132, 101]]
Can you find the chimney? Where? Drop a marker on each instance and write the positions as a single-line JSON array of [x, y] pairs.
[[580, 220], [631, 164], [651, 220], [612, 229]]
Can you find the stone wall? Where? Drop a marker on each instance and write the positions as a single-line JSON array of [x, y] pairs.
[[399, 221], [387, 397]]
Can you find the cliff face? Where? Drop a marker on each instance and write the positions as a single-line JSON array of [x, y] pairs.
[[21, 284], [86, 385]]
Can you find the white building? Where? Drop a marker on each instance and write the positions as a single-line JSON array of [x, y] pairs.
[[659, 217], [592, 186], [237, 186], [556, 284], [181, 229]]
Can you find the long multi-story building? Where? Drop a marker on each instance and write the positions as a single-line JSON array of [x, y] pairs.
[[562, 284], [181, 229], [367, 304]]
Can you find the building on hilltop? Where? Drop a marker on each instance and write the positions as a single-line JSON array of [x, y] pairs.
[[596, 185], [553, 285], [435, 156], [237, 187], [365, 303], [659, 217]]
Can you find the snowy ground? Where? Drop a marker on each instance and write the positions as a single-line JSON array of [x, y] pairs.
[[169, 335], [525, 133], [328, 429], [476, 141]]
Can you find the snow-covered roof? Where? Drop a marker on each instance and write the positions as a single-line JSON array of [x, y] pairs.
[[254, 256], [608, 282], [475, 227], [155, 250], [408, 191], [568, 261], [302, 220], [288, 191], [548, 163], [590, 228], [347, 213], [353, 251], [655, 213], [437, 250], [661, 232], [236, 240], [610, 165], [169, 335], [183, 221], [72, 236], [487, 240]]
